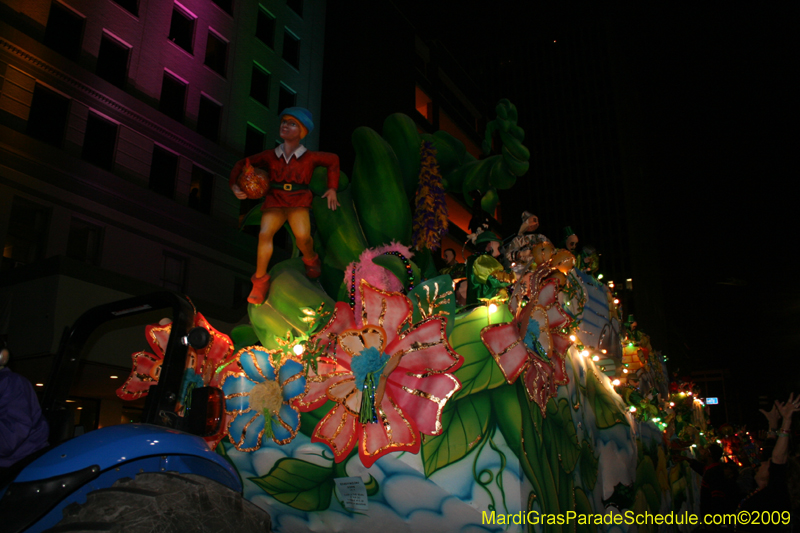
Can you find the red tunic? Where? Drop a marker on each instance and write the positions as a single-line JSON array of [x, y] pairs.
[[297, 170]]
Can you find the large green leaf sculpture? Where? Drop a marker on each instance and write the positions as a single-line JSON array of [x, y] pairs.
[[464, 424], [479, 370]]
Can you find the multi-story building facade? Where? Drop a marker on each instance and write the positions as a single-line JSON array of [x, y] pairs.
[[119, 123]]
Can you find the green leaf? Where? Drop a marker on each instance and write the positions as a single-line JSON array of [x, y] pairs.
[[319, 181], [252, 218], [298, 484], [560, 436], [607, 411], [479, 370], [428, 299], [647, 481], [566, 498], [583, 507], [243, 335], [464, 424], [534, 460], [508, 414], [588, 464]]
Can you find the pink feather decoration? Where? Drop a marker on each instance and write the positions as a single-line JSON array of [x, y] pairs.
[[375, 275]]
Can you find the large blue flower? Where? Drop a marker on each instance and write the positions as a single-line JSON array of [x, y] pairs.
[[257, 393]]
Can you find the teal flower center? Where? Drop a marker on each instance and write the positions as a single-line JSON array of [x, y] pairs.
[[369, 361]]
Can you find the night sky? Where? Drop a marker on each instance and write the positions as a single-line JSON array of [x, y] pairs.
[[717, 93]]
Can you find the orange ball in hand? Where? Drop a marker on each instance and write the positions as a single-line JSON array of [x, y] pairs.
[[253, 181]]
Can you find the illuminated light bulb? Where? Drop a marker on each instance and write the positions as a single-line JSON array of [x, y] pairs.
[[40, 384], [298, 349], [689, 393], [694, 445], [114, 377], [604, 350], [585, 353], [616, 301], [615, 382], [629, 279], [572, 338], [633, 409], [492, 308], [599, 276], [595, 358], [624, 370], [79, 408], [719, 441], [671, 404], [513, 264]]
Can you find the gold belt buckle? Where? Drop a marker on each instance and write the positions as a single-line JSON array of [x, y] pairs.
[[287, 186]]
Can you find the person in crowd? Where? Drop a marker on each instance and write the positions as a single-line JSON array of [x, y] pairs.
[[771, 493], [23, 428]]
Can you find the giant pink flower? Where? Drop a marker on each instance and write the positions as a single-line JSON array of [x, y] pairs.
[[411, 368], [533, 344]]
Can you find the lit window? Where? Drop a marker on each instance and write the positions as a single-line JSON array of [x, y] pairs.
[[259, 85], [208, 118], [202, 188], [99, 141], [112, 61], [64, 31], [163, 169], [291, 49], [424, 105], [173, 97], [181, 28], [47, 120], [265, 27], [216, 53]]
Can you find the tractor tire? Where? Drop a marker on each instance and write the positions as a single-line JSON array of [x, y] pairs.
[[166, 502]]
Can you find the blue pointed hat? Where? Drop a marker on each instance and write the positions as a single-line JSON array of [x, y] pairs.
[[302, 114]]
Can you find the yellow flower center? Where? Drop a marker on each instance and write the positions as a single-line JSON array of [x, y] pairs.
[[266, 397]]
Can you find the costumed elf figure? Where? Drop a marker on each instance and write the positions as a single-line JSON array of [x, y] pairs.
[[288, 198], [452, 267], [486, 277], [570, 241], [590, 259], [525, 239]]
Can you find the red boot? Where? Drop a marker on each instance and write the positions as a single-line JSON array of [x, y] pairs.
[[260, 288], [313, 267]]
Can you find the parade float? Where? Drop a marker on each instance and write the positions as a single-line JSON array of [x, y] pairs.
[[370, 399]]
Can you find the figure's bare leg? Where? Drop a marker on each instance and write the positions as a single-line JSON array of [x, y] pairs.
[[300, 222], [271, 221]]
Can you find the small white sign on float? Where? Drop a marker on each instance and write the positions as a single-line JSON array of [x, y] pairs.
[[352, 492], [712, 401]]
